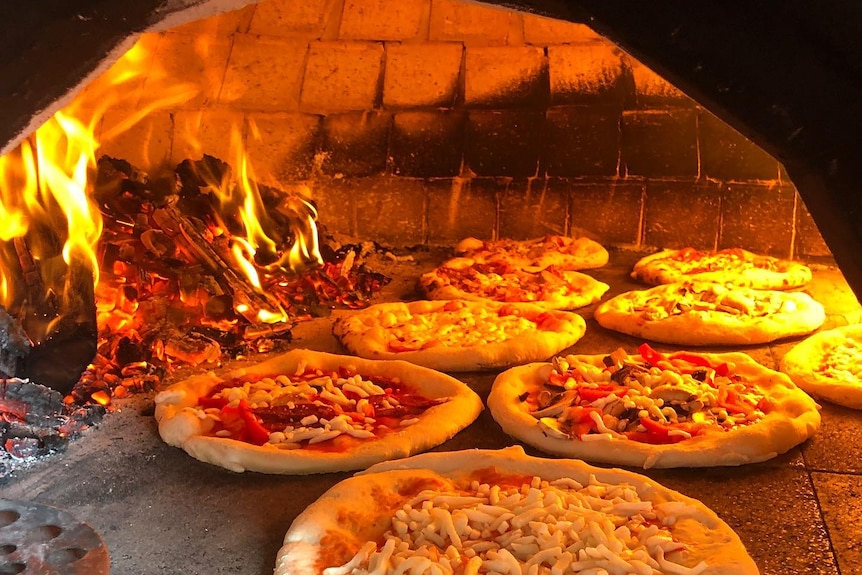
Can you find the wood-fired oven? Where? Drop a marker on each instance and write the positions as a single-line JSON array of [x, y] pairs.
[[416, 124]]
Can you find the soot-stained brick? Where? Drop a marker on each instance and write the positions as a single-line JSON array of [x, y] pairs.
[[460, 208], [504, 142], [680, 214], [758, 218], [428, 143], [532, 208], [356, 143], [660, 143], [581, 141], [727, 155], [612, 211]]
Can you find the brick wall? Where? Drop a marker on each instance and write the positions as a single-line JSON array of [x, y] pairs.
[[426, 121]]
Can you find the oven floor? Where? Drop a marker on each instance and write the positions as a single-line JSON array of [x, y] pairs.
[[161, 512]]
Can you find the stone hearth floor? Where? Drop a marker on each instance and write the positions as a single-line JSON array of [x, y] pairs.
[[160, 512]]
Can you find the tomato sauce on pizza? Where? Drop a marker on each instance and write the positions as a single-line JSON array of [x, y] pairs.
[[313, 409]]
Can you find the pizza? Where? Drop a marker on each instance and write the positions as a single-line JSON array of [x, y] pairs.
[[562, 252], [703, 313], [651, 409], [311, 412], [828, 365], [503, 512], [466, 278], [458, 335], [734, 265]]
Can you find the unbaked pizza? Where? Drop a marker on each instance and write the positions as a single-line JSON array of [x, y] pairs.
[[703, 313], [312, 412], [561, 252], [499, 280], [459, 335], [828, 365], [652, 409], [734, 265], [502, 512]]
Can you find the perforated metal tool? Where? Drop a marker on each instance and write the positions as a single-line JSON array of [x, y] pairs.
[[39, 539]]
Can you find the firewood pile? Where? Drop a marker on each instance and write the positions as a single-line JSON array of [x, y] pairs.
[[172, 292]]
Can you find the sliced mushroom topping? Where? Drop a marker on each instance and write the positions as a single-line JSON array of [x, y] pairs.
[[671, 394], [552, 428], [561, 402]]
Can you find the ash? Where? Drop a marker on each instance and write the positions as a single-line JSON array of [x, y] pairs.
[[35, 423]]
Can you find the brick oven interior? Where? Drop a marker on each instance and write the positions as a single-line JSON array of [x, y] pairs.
[[415, 125]]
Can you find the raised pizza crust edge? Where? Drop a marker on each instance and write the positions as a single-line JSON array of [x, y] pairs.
[[180, 427], [794, 418], [802, 361], [303, 553], [362, 334]]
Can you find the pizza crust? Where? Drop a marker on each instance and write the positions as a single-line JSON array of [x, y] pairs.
[[550, 289], [661, 268], [796, 314], [802, 364], [794, 418], [343, 513], [180, 427], [367, 333]]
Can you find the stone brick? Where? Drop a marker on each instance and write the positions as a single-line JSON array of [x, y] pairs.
[[421, 74], [428, 144], [506, 76], [659, 143], [391, 211], [611, 211], [189, 65], [205, 132], [727, 155], [342, 76], [146, 144], [461, 208], [504, 142], [336, 204], [471, 23], [581, 141], [809, 241], [583, 73], [264, 74], [310, 19], [653, 91], [680, 214], [533, 208], [758, 218], [355, 143], [385, 20], [542, 31], [282, 146], [221, 24]]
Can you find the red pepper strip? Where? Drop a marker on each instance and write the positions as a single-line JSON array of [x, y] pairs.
[[257, 433], [210, 402], [728, 399], [656, 432], [580, 419], [721, 369], [650, 355], [590, 394], [231, 420]]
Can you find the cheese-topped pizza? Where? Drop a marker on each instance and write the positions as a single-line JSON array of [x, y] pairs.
[[459, 335], [654, 410], [562, 252], [502, 512], [466, 278], [702, 313], [734, 265], [311, 412], [828, 365]]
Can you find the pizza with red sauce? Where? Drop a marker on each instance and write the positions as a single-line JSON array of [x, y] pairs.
[[312, 412], [459, 335], [734, 266], [501, 280], [652, 409]]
